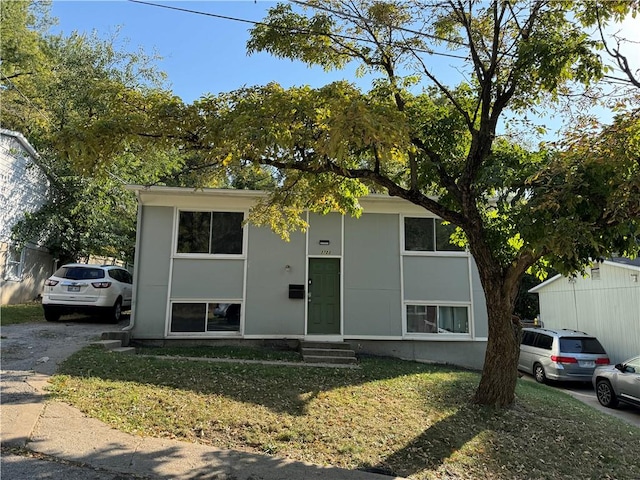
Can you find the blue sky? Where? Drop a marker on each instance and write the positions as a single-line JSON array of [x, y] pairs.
[[201, 54]]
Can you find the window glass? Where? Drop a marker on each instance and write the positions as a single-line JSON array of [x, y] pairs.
[[453, 320], [116, 275], [543, 341], [205, 317], [418, 234], [633, 365], [422, 319], [79, 273], [194, 231], [210, 232], [527, 338], [13, 264], [437, 319], [223, 317], [428, 235], [443, 235], [188, 317], [226, 233], [580, 345]]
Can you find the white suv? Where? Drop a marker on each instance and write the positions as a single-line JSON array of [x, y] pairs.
[[87, 288]]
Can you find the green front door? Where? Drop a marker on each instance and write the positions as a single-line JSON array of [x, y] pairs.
[[324, 296]]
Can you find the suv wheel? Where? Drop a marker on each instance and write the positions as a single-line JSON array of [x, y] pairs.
[[606, 395], [538, 373], [113, 314], [51, 314]]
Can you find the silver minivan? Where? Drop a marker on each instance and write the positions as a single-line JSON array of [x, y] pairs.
[[566, 355]]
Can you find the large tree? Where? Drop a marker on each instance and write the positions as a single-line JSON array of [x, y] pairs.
[[51, 86], [428, 137]]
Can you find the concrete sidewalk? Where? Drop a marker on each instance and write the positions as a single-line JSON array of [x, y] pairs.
[[58, 430]]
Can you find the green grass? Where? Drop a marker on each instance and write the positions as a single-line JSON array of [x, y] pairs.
[[225, 351], [406, 418], [25, 313]]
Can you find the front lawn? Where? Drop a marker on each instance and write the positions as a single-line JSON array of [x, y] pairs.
[[24, 313], [405, 418]]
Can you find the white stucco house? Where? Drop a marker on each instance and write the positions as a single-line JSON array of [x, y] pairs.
[[23, 188], [605, 303]]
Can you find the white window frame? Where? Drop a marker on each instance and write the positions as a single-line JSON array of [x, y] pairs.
[[176, 232], [11, 264], [437, 335], [427, 253]]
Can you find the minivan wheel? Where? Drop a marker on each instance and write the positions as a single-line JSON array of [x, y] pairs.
[[113, 314], [606, 395], [538, 373], [51, 314]]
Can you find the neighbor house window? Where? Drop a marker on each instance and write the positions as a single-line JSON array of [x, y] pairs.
[[14, 264], [205, 317], [440, 319], [210, 232], [428, 235]]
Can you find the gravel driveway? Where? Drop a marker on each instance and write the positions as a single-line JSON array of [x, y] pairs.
[[39, 347], [28, 349]]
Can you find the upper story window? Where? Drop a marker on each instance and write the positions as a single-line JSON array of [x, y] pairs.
[[216, 233], [428, 235]]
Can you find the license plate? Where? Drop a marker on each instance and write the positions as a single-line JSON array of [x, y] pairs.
[[587, 364], [74, 289]]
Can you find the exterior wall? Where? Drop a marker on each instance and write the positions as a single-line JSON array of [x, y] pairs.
[[207, 279], [377, 279], [464, 354], [23, 188], [38, 265], [373, 305], [437, 279], [152, 268], [608, 308], [269, 312], [480, 316], [324, 228]]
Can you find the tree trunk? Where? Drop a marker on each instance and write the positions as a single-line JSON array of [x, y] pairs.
[[500, 372]]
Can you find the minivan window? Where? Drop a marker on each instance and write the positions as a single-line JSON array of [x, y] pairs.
[[581, 345], [543, 341], [527, 338], [79, 273]]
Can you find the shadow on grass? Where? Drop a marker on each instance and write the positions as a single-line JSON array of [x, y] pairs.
[[436, 444], [281, 389]]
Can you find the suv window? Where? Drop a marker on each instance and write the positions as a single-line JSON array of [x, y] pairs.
[[79, 273], [543, 341], [116, 275], [580, 345]]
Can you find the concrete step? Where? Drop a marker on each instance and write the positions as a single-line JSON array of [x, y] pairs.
[[125, 350], [326, 345], [327, 352], [124, 337], [330, 360], [108, 344]]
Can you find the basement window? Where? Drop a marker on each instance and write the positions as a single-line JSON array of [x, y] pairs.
[[437, 319], [201, 317]]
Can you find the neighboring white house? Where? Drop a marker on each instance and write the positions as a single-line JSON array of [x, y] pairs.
[[23, 188], [388, 282], [606, 304]]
